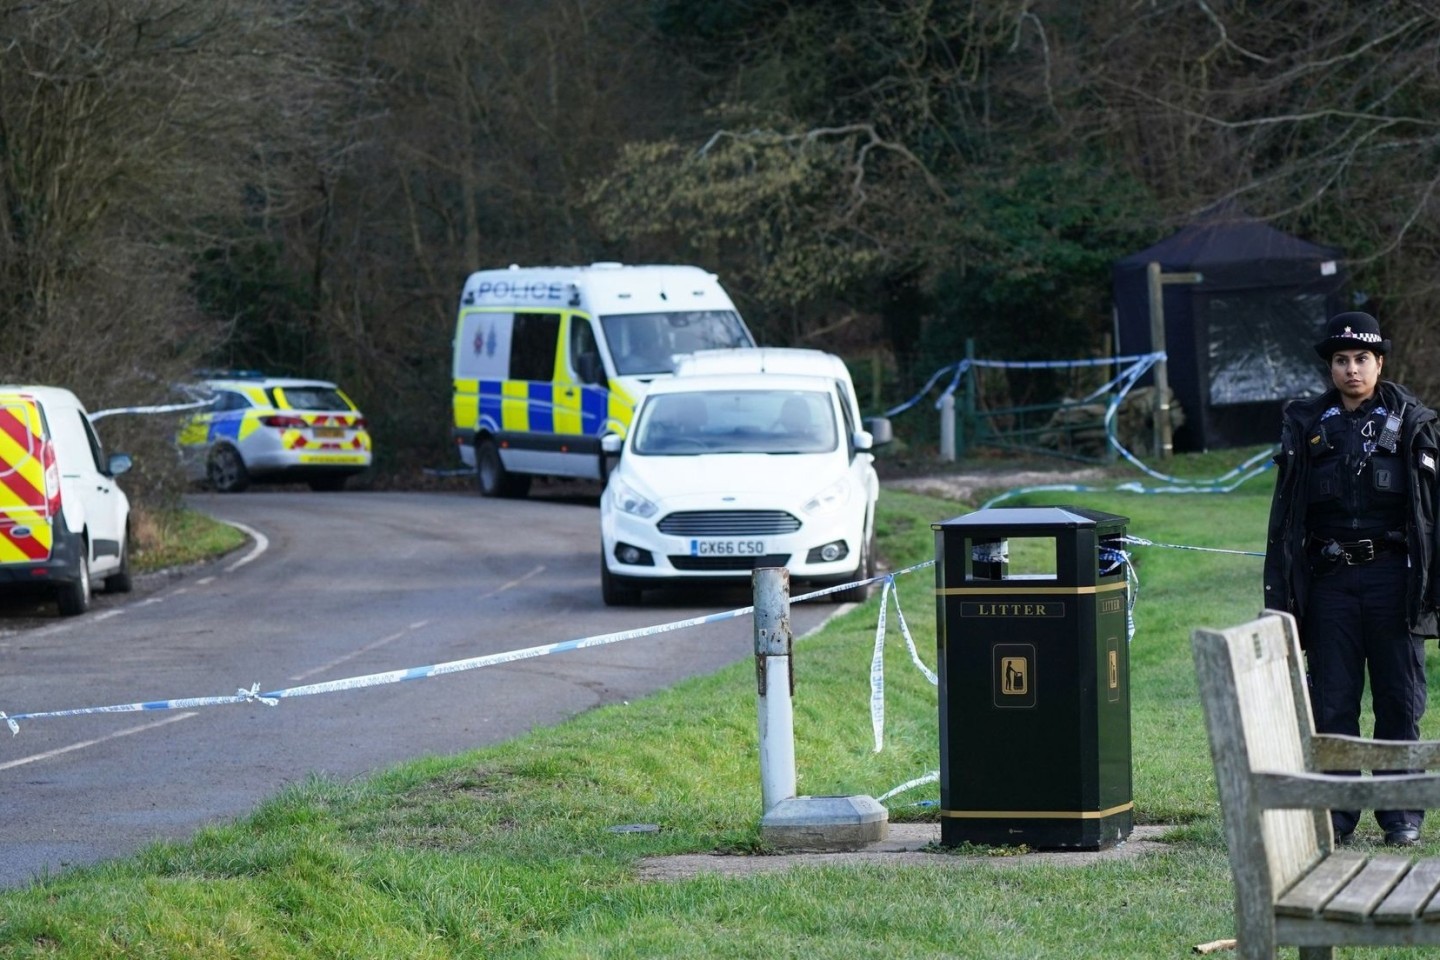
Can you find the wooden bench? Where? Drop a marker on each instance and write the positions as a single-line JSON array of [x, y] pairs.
[[1292, 886]]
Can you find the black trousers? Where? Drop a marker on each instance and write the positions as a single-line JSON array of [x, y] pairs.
[[1355, 619]]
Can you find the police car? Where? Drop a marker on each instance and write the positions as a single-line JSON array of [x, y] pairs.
[[274, 429]]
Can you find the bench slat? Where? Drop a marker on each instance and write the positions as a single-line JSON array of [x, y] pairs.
[[1363, 894], [1411, 895], [1312, 891], [1431, 913]]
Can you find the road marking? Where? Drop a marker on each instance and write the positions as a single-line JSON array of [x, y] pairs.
[[262, 543], [513, 583], [408, 630], [357, 652], [90, 743]]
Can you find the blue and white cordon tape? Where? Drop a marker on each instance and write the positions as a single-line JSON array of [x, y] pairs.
[[273, 697], [1117, 387]]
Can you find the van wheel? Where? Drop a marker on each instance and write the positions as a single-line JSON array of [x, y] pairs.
[[227, 471], [73, 598], [120, 582], [611, 591], [494, 479], [866, 570]]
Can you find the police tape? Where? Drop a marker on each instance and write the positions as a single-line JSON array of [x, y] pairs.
[[1140, 363], [1117, 387], [273, 697], [877, 660], [1142, 542], [932, 777], [166, 408]]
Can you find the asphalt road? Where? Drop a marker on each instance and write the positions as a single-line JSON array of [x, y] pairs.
[[333, 586]]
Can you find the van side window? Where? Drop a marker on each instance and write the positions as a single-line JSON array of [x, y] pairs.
[[532, 346], [585, 360], [96, 452]]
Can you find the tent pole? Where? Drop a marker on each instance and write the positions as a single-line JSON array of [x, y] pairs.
[[1164, 439]]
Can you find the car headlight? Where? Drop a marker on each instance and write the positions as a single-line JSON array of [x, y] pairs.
[[627, 500], [830, 499]]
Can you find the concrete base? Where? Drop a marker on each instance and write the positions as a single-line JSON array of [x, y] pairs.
[[825, 823]]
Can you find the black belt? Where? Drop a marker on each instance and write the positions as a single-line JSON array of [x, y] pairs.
[[1358, 551]]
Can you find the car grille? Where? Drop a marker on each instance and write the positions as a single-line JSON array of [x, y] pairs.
[[728, 523], [682, 561]]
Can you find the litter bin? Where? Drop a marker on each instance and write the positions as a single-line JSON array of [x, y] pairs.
[[1031, 606]]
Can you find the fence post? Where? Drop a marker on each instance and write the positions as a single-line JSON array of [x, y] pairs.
[[776, 683], [947, 427], [967, 419]]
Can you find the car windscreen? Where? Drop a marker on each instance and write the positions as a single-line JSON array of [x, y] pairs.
[[646, 343], [314, 398], [736, 421]]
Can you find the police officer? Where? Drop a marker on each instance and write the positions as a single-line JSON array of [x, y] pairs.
[[1351, 544]]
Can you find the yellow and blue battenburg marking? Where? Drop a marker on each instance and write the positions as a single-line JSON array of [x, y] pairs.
[[528, 406]]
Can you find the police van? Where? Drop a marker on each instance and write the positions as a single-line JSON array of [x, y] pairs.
[[547, 360]]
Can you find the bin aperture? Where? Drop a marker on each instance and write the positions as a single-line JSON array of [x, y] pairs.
[[1034, 679]]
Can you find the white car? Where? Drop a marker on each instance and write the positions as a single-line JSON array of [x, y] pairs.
[[722, 473], [64, 521]]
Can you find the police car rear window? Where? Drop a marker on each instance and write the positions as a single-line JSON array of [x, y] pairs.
[[314, 398]]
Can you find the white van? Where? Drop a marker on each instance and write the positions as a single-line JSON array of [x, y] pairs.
[[63, 518], [547, 360]]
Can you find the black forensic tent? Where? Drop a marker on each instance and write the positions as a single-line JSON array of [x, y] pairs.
[[1241, 341]]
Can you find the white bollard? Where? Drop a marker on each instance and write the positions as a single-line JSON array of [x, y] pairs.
[[773, 645], [947, 427]]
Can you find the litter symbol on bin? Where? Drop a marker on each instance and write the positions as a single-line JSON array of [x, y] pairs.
[[1112, 669], [1014, 675]]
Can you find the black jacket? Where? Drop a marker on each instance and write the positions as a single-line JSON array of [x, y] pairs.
[[1287, 571]]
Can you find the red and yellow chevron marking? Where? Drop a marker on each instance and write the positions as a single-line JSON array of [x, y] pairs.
[[33, 545], [298, 440], [22, 468]]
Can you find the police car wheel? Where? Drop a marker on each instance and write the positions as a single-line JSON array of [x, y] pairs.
[[494, 479], [227, 471]]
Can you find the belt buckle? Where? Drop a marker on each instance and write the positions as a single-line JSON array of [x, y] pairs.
[[1361, 551]]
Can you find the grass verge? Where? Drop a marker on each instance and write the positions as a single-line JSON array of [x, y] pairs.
[[177, 537], [509, 852]]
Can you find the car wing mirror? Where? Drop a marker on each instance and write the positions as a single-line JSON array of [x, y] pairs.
[[118, 464], [611, 444], [880, 431]]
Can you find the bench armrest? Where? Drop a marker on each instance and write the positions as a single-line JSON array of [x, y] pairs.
[[1337, 752], [1319, 791]]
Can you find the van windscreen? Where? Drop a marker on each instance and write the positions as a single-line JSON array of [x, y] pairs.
[[647, 343]]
